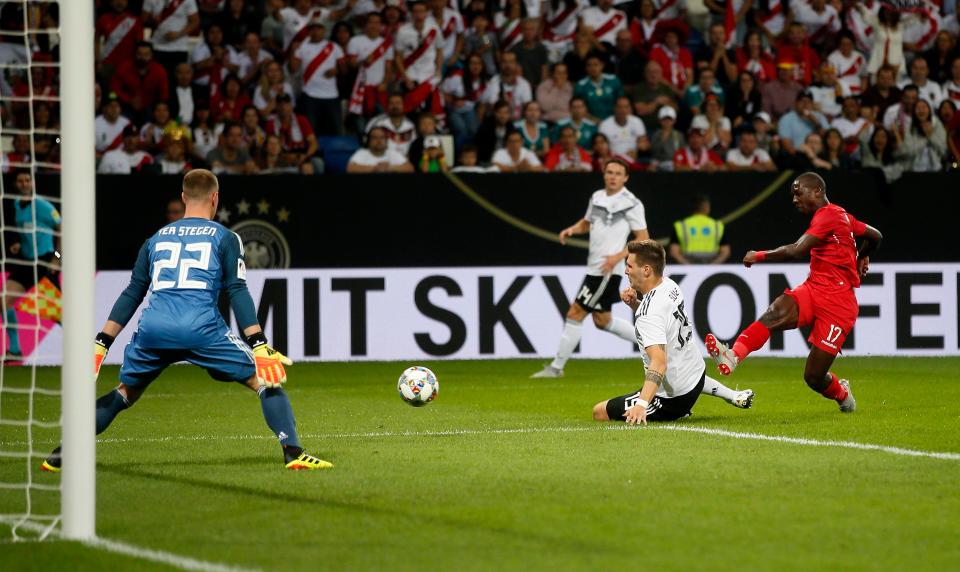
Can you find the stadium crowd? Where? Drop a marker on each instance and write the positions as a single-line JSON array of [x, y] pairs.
[[270, 86]]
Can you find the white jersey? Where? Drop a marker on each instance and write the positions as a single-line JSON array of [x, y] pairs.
[[119, 162], [848, 128], [398, 138], [605, 25], [451, 27], [817, 24], [315, 61], [661, 319], [612, 218], [931, 91], [736, 157], [361, 47], [668, 9], [173, 16], [850, 70], [561, 22], [366, 158], [516, 94], [109, 135], [246, 63], [502, 157], [409, 41], [295, 24], [623, 138], [827, 99], [951, 91]]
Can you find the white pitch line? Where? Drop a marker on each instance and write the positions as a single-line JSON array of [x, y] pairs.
[[575, 429]]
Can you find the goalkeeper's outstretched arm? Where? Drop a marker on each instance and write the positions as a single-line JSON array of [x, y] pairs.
[[123, 309]]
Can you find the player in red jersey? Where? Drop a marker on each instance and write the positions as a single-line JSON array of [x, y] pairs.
[[824, 301]]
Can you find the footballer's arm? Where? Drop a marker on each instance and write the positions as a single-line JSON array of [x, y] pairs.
[[582, 226], [654, 379], [796, 251], [131, 297], [614, 259], [871, 241]]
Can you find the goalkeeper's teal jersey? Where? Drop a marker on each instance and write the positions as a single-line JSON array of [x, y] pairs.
[[37, 219], [185, 265]]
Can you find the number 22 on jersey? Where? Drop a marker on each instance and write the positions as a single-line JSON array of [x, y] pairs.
[[175, 262]]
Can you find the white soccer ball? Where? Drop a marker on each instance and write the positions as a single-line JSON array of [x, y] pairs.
[[418, 386]]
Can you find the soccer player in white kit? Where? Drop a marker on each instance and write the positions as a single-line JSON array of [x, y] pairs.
[[676, 374]]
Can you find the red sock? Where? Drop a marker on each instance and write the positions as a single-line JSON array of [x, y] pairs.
[[834, 391], [751, 340]]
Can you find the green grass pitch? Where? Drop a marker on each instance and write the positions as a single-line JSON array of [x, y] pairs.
[[502, 472]]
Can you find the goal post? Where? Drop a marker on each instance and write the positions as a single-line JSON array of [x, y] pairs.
[[78, 483]]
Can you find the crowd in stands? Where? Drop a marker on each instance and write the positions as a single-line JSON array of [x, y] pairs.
[[263, 86]]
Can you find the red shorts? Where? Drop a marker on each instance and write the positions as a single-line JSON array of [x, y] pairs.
[[832, 315]]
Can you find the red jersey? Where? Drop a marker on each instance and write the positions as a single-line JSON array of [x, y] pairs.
[[833, 263]]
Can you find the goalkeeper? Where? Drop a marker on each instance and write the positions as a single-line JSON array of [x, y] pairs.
[[185, 265]]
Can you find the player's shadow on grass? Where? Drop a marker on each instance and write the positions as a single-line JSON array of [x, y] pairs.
[[299, 501], [205, 462]]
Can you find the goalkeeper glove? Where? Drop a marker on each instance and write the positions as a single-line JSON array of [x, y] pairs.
[[270, 362], [101, 345]]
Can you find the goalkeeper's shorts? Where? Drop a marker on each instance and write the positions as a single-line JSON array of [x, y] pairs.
[[228, 359]]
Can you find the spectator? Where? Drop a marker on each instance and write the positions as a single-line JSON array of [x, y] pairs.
[[604, 22], [250, 61], [744, 101], [746, 156], [675, 61], [715, 56], [183, 100], [919, 76], [296, 20], [419, 60], [600, 152], [253, 135], [172, 25], [118, 32], [140, 83], [881, 95], [271, 159], [231, 156], [20, 157], [652, 94], [172, 159], [531, 53], [238, 21], [296, 136], [625, 132], [151, 134], [803, 120], [795, 51], [753, 58], [508, 22], [941, 56], [767, 138], [600, 90], [212, 60], [808, 155], [426, 127], [925, 142], [699, 238], [583, 125], [230, 101], [507, 86], [46, 128], [377, 157], [534, 132], [706, 85], [829, 93], [946, 111], [515, 158], [880, 152], [821, 21], [469, 161], [125, 159], [627, 62], [432, 159], [561, 18], [851, 124], [175, 210], [205, 133], [109, 126], [887, 38], [271, 28], [584, 46], [695, 156], [643, 26], [897, 117], [272, 84], [951, 89], [951, 119], [318, 61], [566, 156], [834, 151], [492, 135], [341, 35], [554, 93], [718, 133], [400, 130], [779, 95], [372, 55], [850, 64], [666, 141], [481, 41], [462, 90]]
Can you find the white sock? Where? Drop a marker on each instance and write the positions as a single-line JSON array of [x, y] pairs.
[[717, 389], [622, 328], [572, 331]]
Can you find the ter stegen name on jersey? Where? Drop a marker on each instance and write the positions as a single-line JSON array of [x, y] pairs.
[[662, 320], [187, 231]]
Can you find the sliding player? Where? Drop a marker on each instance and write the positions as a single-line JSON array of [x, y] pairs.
[[185, 265], [824, 301], [676, 375]]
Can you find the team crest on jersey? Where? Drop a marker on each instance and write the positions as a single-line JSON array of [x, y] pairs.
[[264, 244]]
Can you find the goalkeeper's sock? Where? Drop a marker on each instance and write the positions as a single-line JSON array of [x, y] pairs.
[[751, 340], [834, 390], [622, 328], [13, 333], [572, 330], [717, 389], [108, 407], [279, 415]]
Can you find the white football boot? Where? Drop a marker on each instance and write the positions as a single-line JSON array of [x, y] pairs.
[[848, 405], [743, 399], [548, 371], [726, 360]]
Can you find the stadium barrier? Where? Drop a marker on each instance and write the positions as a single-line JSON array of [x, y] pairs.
[[411, 221], [505, 312]]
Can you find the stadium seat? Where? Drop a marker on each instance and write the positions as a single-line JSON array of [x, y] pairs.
[[336, 152]]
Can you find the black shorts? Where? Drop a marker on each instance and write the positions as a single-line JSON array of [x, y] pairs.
[[22, 271], [661, 408], [599, 293]]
